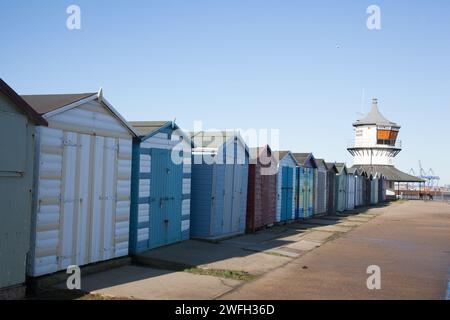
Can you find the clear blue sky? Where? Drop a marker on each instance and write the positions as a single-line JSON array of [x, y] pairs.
[[300, 66]]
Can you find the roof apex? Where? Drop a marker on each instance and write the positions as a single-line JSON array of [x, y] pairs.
[[375, 117]]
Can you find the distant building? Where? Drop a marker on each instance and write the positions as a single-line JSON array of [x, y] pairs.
[[375, 146]]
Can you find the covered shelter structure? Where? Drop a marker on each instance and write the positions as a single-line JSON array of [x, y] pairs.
[[393, 177]]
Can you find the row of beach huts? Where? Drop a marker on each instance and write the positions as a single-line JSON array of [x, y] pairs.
[[79, 185]]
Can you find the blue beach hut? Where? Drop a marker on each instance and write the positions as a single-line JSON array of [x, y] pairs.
[[161, 186], [219, 184], [287, 176], [305, 184]]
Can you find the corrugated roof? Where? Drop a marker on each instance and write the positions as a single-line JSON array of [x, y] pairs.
[[44, 103], [147, 127], [20, 103], [391, 173], [374, 117]]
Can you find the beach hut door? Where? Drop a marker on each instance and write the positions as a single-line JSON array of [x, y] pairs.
[[237, 197], [287, 189], [165, 200]]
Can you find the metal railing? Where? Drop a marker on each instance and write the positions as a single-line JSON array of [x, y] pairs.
[[397, 144]]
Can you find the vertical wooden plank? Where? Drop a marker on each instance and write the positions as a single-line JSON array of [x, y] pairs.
[[76, 209], [236, 205], [215, 211], [228, 195], [114, 198], [97, 199], [68, 199], [89, 235], [108, 196], [84, 191], [174, 187]]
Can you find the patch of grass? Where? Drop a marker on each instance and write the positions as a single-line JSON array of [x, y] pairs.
[[222, 273]]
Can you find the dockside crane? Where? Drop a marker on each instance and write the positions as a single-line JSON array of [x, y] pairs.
[[432, 180]]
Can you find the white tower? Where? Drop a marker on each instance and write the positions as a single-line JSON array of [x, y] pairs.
[[375, 139]]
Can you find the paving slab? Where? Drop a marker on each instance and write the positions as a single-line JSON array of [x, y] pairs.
[[350, 224], [258, 237], [286, 252], [255, 263], [295, 236], [358, 219], [323, 222], [334, 228], [333, 217], [193, 253], [368, 215], [261, 247], [266, 239], [318, 235], [305, 245], [303, 227], [148, 284]]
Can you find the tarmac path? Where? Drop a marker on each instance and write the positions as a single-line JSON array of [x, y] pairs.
[[410, 243]]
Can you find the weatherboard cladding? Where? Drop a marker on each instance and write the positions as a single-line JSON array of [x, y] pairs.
[[286, 181], [374, 190], [83, 179], [306, 166], [351, 190], [305, 187], [161, 188], [331, 185], [381, 189], [368, 191], [341, 188], [219, 189], [17, 128], [359, 188], [262, 191], [320, 187]]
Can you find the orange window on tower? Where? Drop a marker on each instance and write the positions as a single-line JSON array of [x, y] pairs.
[[383, 134], [393, 135]]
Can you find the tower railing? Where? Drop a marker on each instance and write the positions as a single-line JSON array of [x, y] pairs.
[[394, 144]]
